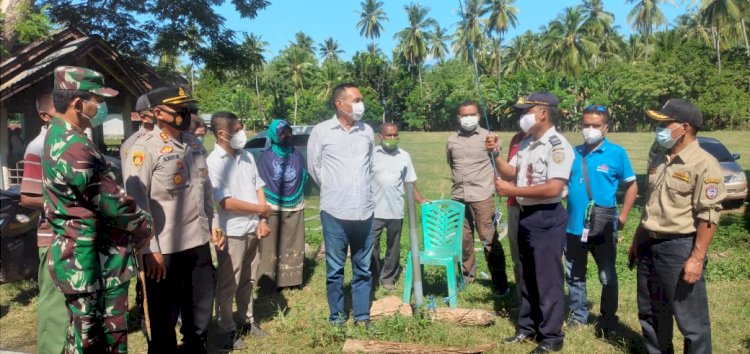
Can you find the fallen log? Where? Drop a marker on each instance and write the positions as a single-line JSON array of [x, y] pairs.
[[375, 346], [389, 306]]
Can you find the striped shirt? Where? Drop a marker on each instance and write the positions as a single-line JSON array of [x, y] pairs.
[[32, 183]]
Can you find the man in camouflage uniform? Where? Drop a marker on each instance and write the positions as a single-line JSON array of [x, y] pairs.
[[95, 224], [166, 173]]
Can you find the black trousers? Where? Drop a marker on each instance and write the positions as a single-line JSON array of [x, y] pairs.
[[663, 295], [387, 270], [541, 240], [188, 290]]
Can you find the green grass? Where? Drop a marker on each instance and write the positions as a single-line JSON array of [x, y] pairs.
[[297, 319]]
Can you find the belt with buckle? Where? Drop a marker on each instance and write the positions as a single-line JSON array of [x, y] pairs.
[[664, 236]]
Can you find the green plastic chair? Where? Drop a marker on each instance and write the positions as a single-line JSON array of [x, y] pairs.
[[442, 226]]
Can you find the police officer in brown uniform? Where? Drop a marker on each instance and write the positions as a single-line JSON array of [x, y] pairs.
[[683, 204], [166, 173]]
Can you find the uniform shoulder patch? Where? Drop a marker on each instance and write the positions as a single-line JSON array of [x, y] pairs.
[[712, 190], [711, 180], [558, 155], [554, 140], [166, 149], [138, 158]]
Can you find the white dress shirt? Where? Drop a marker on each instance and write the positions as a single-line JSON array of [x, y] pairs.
[[392, 169]]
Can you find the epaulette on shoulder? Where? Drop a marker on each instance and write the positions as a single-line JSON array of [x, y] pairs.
[[554, 140]]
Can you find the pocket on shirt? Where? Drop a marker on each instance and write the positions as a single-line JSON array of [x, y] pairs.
[[680, 192]]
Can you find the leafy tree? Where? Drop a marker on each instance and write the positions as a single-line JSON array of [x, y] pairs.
[[646, 15], [502, 15], [414, 40], [438, 48], [371, 19], [330, 50], [303, 41]]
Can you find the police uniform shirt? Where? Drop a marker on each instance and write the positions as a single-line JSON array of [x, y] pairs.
[[170, 180], [538, 161], [682, 190], [608, 166], [391, 170], [127, 144]]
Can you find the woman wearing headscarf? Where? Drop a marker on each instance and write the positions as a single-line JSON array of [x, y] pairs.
[[283, 169]]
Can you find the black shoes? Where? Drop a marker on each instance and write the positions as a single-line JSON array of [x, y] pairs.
[[547, 348], [364, 323], [519, 337], [254, 330]]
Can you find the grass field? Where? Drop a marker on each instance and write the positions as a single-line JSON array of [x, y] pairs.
[[296, 319]]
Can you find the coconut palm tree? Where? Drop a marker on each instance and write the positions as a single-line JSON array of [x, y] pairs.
[[719, 14], [521, 54], [567, 44], [633, 50], [502, 15], [303, 41], [414, 40], [374, 50], [297, 65], [438, 46], [470, 29], [598, 21], [646, 15], [253, 48], [329, 50], [371, 19]]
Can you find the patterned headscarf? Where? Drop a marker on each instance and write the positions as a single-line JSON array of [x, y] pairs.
[[275, 129]]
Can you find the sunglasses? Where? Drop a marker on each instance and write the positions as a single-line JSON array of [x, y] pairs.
[[596, 108]]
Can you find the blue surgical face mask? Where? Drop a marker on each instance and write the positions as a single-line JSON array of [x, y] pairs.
[[101, 114], [664, 137]]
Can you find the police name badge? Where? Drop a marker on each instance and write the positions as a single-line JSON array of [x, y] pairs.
[[138, 158]]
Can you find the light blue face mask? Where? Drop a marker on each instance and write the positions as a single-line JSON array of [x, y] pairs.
[[664, 137], [101, 114]]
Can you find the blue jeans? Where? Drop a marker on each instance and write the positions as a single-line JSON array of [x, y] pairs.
[[338, 236], [604, 250]]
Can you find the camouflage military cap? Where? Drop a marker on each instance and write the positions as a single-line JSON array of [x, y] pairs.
[[82, 79]]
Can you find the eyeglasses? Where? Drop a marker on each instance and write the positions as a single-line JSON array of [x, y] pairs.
[[596, 108]]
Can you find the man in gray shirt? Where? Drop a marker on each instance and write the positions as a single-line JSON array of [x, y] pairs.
[[143, 107], [339, 159], [472, 175]]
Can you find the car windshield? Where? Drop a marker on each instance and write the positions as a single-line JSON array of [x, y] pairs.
[[718, 150]]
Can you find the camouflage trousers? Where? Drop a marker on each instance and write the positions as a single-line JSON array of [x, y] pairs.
[[98, 321]]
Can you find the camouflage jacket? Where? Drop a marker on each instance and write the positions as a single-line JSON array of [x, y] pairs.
[[93, 220]]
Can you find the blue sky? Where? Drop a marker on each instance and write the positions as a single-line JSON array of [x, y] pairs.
[[278, 22]]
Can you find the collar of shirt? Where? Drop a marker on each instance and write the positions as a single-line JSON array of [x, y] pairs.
[[225, 154], [356, 126], [463, 133], [599, 149], [65, 124], [685, 154], [379, 149], [545, 138], [166, 138]]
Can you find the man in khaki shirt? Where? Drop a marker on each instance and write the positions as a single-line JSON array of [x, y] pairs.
[[683, 204], [473, 186]]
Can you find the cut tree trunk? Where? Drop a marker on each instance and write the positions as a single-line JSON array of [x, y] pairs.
[[374, 346], [392, 305]]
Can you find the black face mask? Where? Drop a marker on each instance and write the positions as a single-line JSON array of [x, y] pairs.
[[181, 120]]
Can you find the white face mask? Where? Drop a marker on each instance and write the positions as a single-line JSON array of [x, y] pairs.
[[592, 135], [238, 140], [527, 121], [358, 110], [469, 123]]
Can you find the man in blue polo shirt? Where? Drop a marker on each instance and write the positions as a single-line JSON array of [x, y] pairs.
[[606, 166]]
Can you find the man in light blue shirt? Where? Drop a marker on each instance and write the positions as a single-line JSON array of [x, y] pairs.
[[339, 159], [608, 166]]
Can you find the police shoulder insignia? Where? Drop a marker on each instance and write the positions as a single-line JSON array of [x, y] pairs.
[[711, 180], [177, 179], [712, 191], [178, 120], [163, 136], [558, 155], [166, 149], [138, 158], [554, 140]]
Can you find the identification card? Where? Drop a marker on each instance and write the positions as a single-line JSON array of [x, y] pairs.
[[585, 235]]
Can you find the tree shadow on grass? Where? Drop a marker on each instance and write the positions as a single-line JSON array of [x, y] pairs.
[[27, 292]]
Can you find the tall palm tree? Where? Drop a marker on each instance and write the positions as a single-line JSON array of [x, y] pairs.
[[374, 50], [690, 26], [253, 48], [470, 29], [329, 50], [438, 46], [502, 15], [303, 41], [415, 38], [633, 50], [598, 21], [567, 43], [719, 14], [521, 54], [646, 15], [297, 66], [329, 75], [371, 19]]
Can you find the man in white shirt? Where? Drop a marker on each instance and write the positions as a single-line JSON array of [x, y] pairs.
[[339, 159], [392, 168], [238, 189]]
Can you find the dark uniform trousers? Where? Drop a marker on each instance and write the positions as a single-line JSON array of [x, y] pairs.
[[478, 216], [387, 270], [663, 294], [187, 290], [541, 240]]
